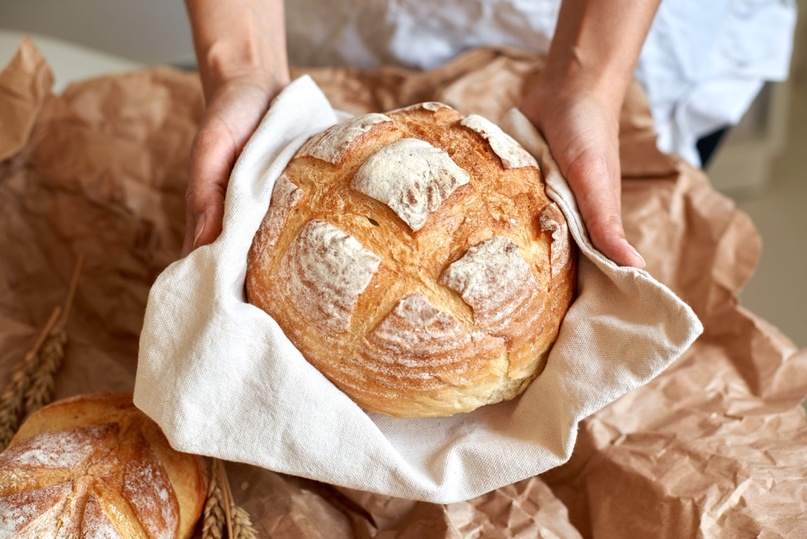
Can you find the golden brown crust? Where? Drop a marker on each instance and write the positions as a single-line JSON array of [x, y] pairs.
[[95, 463], [424, 334]]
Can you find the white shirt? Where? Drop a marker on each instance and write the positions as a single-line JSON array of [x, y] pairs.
[[702, 64]]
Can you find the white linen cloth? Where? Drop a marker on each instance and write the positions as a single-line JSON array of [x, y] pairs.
[[702, 64], [221, 379]]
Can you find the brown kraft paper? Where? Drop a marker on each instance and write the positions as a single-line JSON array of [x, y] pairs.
[[713, 447]]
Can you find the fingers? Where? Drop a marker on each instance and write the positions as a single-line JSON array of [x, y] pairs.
[[213, 156], [232, 116], [597, 190], [583, 134]]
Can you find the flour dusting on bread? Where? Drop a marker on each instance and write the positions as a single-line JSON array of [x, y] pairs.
[[416, 334], [335, 143], [96, 525], [421, 347], [412, 177], [511, 153], [552, 221], [34, 513], [149, 490], [285, 196], [494, 279], [325, 270], [56, 449], [431, 106]]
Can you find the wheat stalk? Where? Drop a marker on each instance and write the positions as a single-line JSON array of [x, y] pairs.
[[213, 516], [12, 401], [43, 383], [224, 483], [221, 514], [32, 381]]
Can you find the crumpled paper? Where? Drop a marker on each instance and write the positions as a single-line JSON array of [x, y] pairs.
[[201, 339], [713, 447]]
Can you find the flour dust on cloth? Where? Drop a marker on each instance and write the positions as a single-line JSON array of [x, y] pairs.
[[221, 379], [702, 63]]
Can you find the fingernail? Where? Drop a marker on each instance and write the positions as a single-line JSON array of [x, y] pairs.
[[200, 227], [634, 251]]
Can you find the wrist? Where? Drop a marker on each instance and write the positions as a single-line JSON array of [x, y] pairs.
[[239, 40], [567, 84], [572, 73], [596, 46], [244, 62]]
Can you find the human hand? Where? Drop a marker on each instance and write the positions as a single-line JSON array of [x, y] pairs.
[[233, 112], [240, 47], [575, 102], [582, 130]]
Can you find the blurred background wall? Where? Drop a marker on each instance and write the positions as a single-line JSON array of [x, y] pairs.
[[144, 31], [763, 165]]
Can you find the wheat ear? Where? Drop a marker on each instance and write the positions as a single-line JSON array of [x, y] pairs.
[[242, 524], [43, 382], [222, 517], [12, 401], [213, 516], [33, 379]]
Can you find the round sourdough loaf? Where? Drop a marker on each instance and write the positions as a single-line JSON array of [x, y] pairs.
[[96, 466], [414, 258]]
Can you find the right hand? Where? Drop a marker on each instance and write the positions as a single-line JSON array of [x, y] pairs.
[[582, 130], [234, 110], [240, 47], [575, 102]]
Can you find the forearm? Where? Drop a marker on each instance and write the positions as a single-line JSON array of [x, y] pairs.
[[597, 44], [239, 38]]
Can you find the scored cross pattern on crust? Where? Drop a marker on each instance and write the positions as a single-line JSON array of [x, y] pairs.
[[102, 479], [439, 283]]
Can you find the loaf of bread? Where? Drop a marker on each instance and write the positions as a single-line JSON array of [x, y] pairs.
[[96, 466], [414, 258]]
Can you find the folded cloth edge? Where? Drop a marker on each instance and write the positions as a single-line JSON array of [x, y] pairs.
[[450, 473]]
